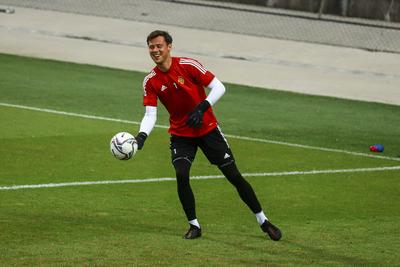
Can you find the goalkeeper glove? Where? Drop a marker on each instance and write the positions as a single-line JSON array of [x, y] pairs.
[[140, 138], [196, 116]]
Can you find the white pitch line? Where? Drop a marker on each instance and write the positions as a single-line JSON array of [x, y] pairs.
[[312, 147], [203, 177], [93, 117]]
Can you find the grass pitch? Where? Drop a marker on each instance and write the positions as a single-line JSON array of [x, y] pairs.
[[329, 219]]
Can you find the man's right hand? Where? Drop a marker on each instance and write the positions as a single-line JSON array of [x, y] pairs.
[[140, 139]]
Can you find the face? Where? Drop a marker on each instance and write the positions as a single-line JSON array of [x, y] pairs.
[[159, 50]]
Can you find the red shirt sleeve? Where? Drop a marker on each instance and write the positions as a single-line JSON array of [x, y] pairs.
[[149, 95], [197, 71]]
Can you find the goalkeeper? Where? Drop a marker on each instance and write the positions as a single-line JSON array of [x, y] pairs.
[[179, 83]]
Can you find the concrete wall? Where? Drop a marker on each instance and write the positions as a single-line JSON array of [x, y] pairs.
[[388, 10], [375, 9]]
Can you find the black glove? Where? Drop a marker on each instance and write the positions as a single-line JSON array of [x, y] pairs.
[[196, 116], [140, 138]]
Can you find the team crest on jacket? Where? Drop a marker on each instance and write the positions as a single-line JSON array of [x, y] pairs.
[[181, 80]]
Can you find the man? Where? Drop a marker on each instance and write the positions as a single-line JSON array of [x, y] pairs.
[[179, 84]]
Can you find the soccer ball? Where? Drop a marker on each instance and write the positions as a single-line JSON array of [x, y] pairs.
[[123, 146]]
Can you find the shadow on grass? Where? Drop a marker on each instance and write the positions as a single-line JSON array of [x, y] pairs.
[[286, 251], [323, 256]]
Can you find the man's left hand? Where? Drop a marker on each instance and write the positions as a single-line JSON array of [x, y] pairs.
[[195, 119]]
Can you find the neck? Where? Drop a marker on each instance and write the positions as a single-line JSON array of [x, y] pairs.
[[164, 67]]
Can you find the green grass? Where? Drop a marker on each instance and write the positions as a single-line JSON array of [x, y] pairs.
[[342, 219], [283, 116]]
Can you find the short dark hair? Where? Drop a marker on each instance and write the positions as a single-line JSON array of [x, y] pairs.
[[156, 33]]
